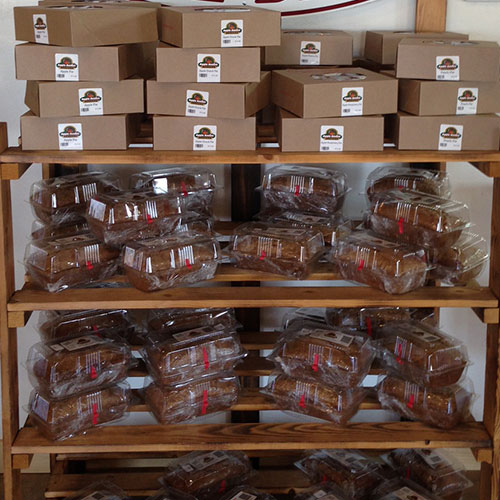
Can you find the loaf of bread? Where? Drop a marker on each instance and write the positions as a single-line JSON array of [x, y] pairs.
[[168, 493], [247, 493], [442, 407], [57, 264], [418, 219], [170, 261], [276, 249], [76, 414], [315, 399], [64, 199], [388, 266], [402, 489], [171, 405], [75, 364], [388, 178], [326, 490], [331, 357], [304, 189], [421, 353], [206, 475], [185, 356], [41, 231]]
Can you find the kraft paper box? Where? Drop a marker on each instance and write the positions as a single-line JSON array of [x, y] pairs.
[[316, 93], [447, 133], [429, 98], [85, 25], [233, 26], [311, 48], [382, 46], [53, 99], [217, 100], [203, 134], [77, 133], [448, 60], [212, 65], [360, 133]]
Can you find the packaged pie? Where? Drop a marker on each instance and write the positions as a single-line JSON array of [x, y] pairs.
[[169, 261], [422, 353], [67, 366], [64, 199], [276, 249], [305, 317], [327, 356], [418, 219], [304, 189], [390, 177], [171, 405], [388, 266], [246, 492], [40, 230], [78, 413], [206, 475], [325, 490], [336, 404], [68, 262], [399, 489], [443, 407], [186, 356]]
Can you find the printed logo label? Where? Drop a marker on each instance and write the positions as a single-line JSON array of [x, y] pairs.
[[208, 67], [70, 136], [205, 137], [203, 461], [450, 137], [91, 102], [231, 33], [310, 53], [352, 101], [467, 101], [448, 68], [66, 67], [331, 138], [197, 103], [40, 28]]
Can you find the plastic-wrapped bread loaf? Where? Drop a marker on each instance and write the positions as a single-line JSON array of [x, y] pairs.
[[40, 230], [326, 490], [305, 317], [402, 489], [167, 493], [246, 492]]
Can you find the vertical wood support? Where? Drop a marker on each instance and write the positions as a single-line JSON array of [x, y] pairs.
[[431, 15]]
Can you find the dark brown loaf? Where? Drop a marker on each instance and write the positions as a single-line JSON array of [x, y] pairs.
[[404, 182], [41, 231]]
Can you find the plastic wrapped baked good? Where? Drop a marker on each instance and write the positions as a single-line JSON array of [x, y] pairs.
[[304, 189], [170, 261], [186, 356], [418, 219], [315, 399], [276, 249], [399, 489], [75, 364], [381, 264], [433, 470], [387, 178], [245, 492], [41, 231], [305, 317], [327, 491], [332, 357], [206, 474], [171, 405], [76, 414], [62, 263], [196, 184], [443, 407], [167, 493], [353, 471], [422, 353], [64, 199]]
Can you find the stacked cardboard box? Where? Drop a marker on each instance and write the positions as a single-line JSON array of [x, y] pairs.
[[209, 83], [83, 66], [449, 91]]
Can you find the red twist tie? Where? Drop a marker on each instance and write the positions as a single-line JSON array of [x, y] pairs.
[[93, 372], [94, 327], [401, 188], [205, 359], [315, 363], [89, 265], [361, 264], [188, 264], [262, 255], [408, 473], [400, 351], [369, 326], [400, 224], [411, 402], [297, 190], [183, 188], [302, 402], [95, 414], [222, 488], [323, 480], [204, 405], [149, 219]]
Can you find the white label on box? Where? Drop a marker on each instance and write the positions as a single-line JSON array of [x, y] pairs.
[[78, 343], [310, 53], [352, 101], [40, 407], [243, 495], [70, 136], [66, 68], [40, 28], [450, 137], [331, 138], [334, 337], [91, 102], [431, 458], [204, 137], [204, 461], [197, 103], [407, 494], [448, 68], [231, 33], [467, 101], [208, 67]]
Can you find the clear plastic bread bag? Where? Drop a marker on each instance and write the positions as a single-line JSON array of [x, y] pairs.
[[246, 492], [41, 231], [324, 490]]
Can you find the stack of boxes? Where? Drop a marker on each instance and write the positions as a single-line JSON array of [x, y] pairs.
[[209, 83]]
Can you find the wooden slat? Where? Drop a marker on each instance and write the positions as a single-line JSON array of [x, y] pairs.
[[488, 316], [21, 461], [13, 171], [431, 15], [18, 319]]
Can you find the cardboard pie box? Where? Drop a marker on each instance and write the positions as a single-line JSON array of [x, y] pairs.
[[212, 65], [215, 100], [382, 46], [311, 48], [359, 133], [316, 93], [85, 25], [430, 98], [448, 60], [203, 134], [53, 99], [447, 133], [232, 26], [77, 133]]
